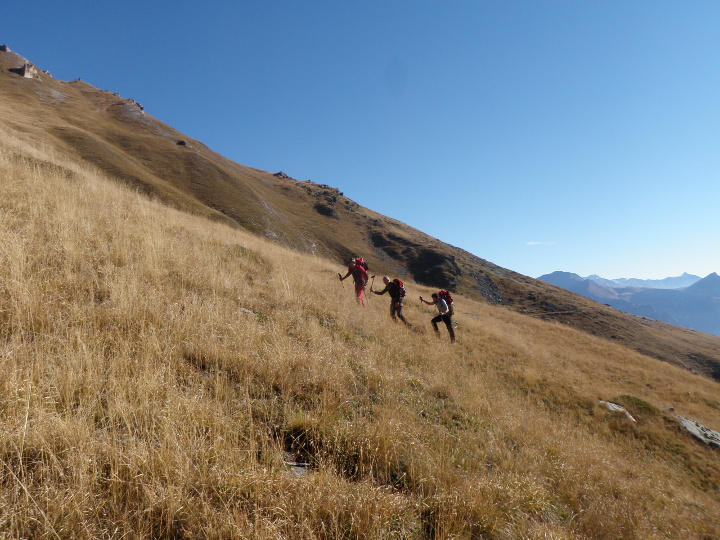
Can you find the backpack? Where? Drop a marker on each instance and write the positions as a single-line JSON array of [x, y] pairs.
[[358, 269], [362, 274], [401, 287], [445, 295], [359, 261]]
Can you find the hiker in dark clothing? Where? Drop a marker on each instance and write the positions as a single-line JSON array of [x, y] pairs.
[[397, 293], [444, 315], [358, 268]]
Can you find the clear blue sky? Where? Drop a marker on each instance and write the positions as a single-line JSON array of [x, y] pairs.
[[581, 136]]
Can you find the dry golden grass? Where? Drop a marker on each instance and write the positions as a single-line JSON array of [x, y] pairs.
[[159, 371]]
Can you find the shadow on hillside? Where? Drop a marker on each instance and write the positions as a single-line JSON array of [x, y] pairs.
[[427, 266]]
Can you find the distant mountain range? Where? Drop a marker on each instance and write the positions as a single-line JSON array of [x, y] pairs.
[[668, 283], [686, 300]]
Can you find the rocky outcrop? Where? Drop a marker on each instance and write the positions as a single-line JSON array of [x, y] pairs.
[[134, 103], [706, 435], [427, 265], [487, 287], [325, 205], [27, 70], [327, 197]]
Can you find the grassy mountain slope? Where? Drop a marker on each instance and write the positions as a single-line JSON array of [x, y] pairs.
[[168, 376], [117, 136]]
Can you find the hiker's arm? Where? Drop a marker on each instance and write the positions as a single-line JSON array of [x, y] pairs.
[[426, 302], [346, 275], [379, 292]]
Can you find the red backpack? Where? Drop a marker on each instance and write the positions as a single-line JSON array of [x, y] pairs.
[[358, 268], [359, 261], [401, 287]]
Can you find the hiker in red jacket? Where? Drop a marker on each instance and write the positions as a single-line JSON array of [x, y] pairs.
[[444, 315], [397, 293], [358, 268]]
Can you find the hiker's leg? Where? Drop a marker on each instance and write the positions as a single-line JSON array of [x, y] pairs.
[[434, 322], [448, 322], [360, 293], [401, 316], [392, 311]]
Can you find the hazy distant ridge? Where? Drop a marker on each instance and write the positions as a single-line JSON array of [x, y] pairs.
[[678, 282], [695, 306]]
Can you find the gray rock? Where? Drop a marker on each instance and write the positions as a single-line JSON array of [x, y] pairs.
[[706, 435], [27, 70]]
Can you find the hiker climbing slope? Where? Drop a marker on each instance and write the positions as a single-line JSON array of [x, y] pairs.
[[397, 293], [358, 268], [445, 295], [444, 315]]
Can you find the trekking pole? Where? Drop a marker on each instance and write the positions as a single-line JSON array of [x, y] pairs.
[[341, 281], [371, 287]]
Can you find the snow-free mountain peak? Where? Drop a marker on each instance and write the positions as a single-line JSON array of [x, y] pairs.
[[707, 286]]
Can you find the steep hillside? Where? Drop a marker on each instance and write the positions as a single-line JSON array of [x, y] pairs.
[[120, 138], [164, 375]]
